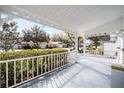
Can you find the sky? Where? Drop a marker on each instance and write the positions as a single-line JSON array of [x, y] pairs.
[[26, 24], [22, 24]]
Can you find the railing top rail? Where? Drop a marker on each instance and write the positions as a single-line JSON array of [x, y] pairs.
[[18, 59]]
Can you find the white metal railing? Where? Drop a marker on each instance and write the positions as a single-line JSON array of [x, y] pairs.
[[94, 52], [111, 54], [17, 71]]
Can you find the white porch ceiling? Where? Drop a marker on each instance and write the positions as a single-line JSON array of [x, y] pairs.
[[80, 18]]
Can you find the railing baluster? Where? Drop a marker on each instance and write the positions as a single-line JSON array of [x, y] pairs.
[[21, 70], [37, 66], [45, 65], [27, 69], [67, 58], [57, 60], [54, 61], [62, 59], [48, 64], [32, 67], [14, 72], [51, 62], [6, 74], [0, 75], [41, 65]]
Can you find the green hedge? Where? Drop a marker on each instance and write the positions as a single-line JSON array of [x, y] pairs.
[[29, 53], [44, 61], [117, 67]]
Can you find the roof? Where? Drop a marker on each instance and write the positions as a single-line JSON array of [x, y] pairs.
[[74, 18]]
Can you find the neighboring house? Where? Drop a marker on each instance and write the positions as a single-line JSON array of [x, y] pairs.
[[17, 46], [43, 45], [56, 44]]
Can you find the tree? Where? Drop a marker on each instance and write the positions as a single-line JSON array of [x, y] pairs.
[[71, 37], [95, 39], [35, 34], [64, 38], [9, 35], [58, 38]]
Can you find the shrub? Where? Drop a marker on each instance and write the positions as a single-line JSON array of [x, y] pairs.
[[29, 53], [117, 66], [98, 50]]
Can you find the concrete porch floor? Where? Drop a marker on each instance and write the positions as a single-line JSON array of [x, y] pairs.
[[88, 72]]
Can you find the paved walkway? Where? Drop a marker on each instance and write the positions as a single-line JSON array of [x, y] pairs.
[[86, 73]]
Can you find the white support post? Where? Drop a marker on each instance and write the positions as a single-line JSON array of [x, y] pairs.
[[76, 46], [76, 42], [123, 52], [121, 45], [120, 52], [84, 47]]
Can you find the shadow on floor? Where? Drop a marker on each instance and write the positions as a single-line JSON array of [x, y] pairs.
[[83, 74]]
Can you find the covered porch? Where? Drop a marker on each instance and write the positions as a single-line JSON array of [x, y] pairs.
[[72, 69], [87, 72]]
